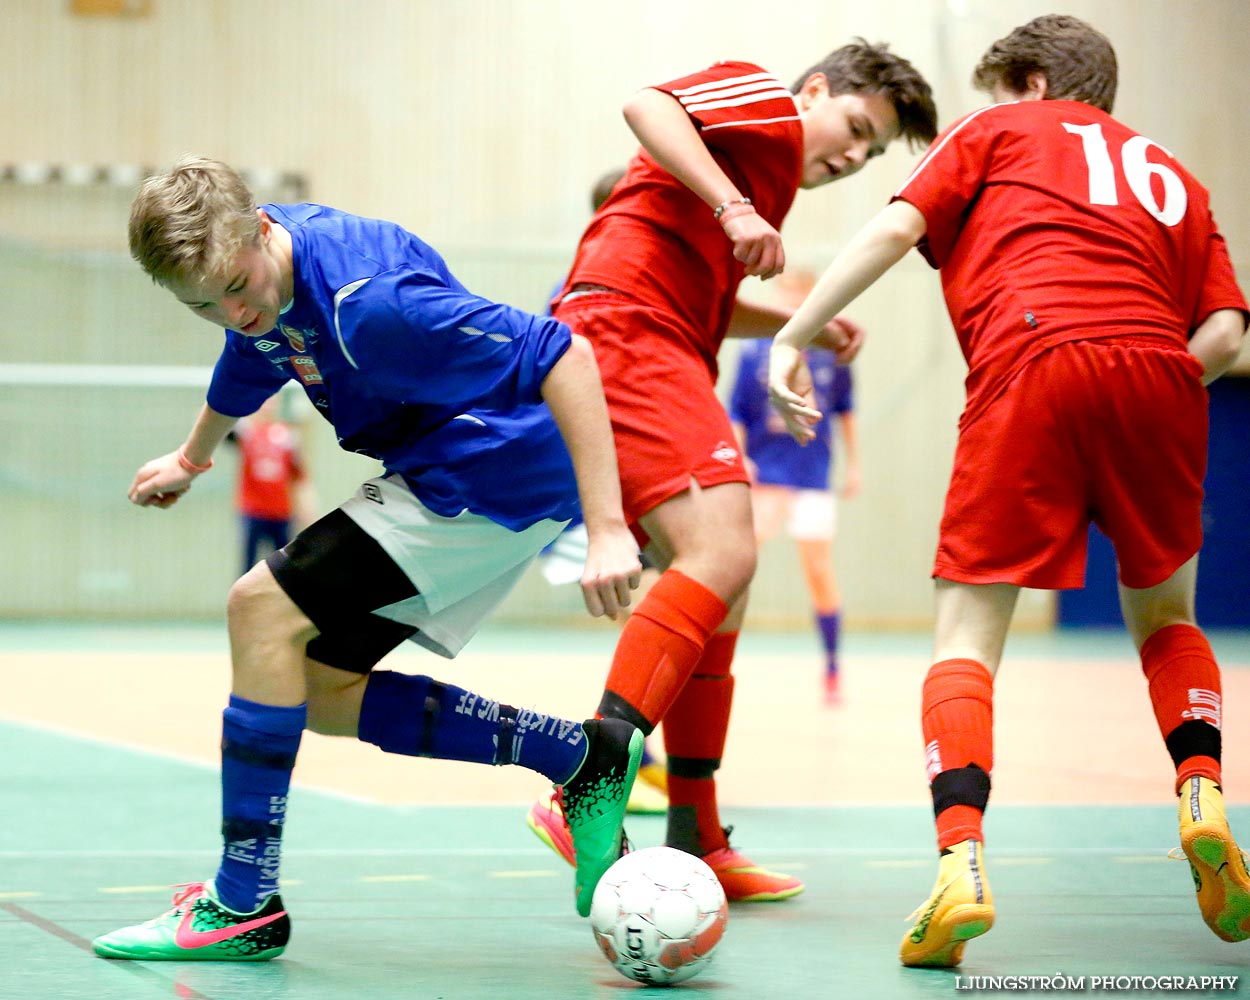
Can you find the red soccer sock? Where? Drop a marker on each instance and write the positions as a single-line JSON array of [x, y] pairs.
[[695, 729], [1186, 693], [659, 648], [957, 716]]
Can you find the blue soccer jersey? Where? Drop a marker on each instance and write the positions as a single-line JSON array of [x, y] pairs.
[[441, 386], [779, 459]]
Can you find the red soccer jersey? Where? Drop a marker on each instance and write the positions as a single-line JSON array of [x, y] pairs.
[[656, 240], [268, 467], [1051, 221]]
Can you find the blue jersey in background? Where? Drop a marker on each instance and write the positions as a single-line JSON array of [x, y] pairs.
[[779, 459]]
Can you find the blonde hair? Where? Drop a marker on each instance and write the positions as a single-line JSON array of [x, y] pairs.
[[187, 223]]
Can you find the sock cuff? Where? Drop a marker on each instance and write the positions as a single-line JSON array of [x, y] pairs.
[[957, 678], [1171, 642], [273, 720], [683, 605]]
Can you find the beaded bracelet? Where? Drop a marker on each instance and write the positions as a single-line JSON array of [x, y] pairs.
[[719, 210]]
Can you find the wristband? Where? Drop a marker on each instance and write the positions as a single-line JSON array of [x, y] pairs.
[[719, 210], [190, 466]]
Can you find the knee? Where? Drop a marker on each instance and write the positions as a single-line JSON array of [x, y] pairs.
[[256, 600]]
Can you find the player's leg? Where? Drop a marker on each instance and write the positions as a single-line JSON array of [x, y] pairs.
[[957, 722], [436, 582], [813, 523], [1149, 502], [238, 915], [1186, 694]]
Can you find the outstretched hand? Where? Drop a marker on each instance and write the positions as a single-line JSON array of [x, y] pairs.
[[160, 482], [791, 392], [612, 571]]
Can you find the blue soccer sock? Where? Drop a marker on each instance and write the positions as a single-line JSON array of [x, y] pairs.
[[258, 747], [828, 625], [421, 717]]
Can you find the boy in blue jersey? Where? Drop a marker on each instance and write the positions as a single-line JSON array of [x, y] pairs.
[[474, 410], [791, 483]]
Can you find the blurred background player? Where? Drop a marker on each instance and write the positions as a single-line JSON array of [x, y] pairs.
[[392, 350], [654, 287], [1093, 298], [791, 484], [272, 492]]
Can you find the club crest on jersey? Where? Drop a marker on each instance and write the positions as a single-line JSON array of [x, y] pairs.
[[306, 369], [294, 337], [725, 452]]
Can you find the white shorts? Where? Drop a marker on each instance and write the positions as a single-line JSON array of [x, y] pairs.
[[462, 567], [808, 515]]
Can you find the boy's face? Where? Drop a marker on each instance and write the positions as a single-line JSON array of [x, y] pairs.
[[247, 292], [841, 132]]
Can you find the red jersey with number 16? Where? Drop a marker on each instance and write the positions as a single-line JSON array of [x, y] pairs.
[[1051, 221], [655, 240]]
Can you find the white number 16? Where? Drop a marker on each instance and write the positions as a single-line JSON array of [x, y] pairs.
[[1137, 172]]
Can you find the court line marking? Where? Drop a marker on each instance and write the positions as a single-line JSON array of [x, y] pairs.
[[470, 852], [147, 975]]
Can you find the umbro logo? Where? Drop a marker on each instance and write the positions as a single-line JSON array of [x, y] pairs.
[[725, 452], [266, 345], [371, 492]]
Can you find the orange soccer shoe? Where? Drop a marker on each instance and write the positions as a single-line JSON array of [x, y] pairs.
[[746, 882]]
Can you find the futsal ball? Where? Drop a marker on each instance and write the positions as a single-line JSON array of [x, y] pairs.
[[658, 914]]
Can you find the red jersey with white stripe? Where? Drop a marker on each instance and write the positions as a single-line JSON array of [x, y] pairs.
[[269, 466], [1051, 221], [655, 239]]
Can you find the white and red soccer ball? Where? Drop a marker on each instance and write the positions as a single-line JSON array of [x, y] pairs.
[[658, 914]]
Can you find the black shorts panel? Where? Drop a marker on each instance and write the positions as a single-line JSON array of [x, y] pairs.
[[337, 575]]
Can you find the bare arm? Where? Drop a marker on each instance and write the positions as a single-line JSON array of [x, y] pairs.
[[668, 134], [574, 395], [876, 248], [1217, 342], [755, 320], [160, 482]]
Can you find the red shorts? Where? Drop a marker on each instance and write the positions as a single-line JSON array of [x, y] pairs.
[[670, 426], [1109, 431]]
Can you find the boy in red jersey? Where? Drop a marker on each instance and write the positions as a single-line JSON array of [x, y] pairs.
[[1093, 298], [654, 288]]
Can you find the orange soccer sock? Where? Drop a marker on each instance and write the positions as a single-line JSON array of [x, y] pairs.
[[695, 729], [1186, 693], [957, 716], [659, 648]]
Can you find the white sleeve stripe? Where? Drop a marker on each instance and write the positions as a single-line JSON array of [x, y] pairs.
[[938, 148], [339, 296], [732, 81], [753, 121], [770, 95], [716, 95]]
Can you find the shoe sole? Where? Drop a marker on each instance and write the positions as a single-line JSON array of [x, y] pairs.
[[961, 925], [1220, 880], [180, 954], [772, 896]]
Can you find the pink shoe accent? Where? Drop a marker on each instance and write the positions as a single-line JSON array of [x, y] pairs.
[[188, 937]]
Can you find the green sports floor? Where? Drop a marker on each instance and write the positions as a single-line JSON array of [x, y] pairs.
[[461, 902]]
